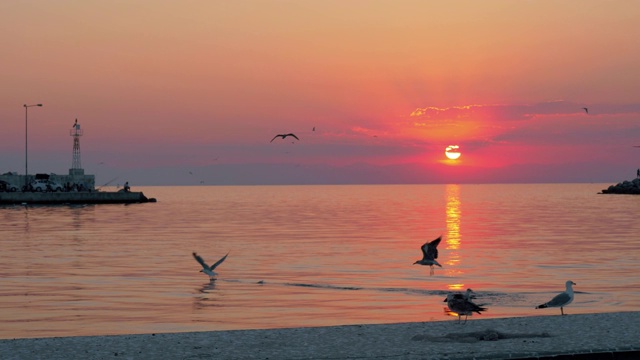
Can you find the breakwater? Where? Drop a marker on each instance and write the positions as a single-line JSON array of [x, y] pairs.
[[89, 197], [629, 187]]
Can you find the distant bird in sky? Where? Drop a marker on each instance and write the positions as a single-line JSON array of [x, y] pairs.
[[284, 136], [429, 254], [586, 110], [314, 129], [561, 300], [458, 304], [206, 268]]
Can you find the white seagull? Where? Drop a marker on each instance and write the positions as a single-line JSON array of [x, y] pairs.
[[459, 304], [561, 300], [429, 254], [206, 268]]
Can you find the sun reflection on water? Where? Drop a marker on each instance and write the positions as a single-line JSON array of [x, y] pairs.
[[453, 215], [453, 222], [455, 287]]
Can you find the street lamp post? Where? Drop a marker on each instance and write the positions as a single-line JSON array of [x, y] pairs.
[[26, 162]]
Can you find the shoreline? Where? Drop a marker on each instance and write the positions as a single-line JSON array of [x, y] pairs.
[[499, 338]]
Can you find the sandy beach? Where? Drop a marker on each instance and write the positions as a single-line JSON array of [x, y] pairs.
[[606, 335]]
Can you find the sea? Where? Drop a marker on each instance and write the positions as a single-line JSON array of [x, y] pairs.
[[306, 256]]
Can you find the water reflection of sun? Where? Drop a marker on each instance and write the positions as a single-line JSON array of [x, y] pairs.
[[453, 214]]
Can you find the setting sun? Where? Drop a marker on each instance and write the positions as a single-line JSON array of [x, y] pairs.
[[452, 152]]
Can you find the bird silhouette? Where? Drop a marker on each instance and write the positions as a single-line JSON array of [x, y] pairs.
[[459, 304], [429, 254], [284, 136], [206, 268], [586, 110]]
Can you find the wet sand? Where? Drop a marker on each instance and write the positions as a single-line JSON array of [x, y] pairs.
[[611, 335]]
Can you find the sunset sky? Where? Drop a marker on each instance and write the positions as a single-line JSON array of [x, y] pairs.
[[192, 92]]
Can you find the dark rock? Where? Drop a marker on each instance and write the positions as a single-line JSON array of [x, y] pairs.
[[626, 187]]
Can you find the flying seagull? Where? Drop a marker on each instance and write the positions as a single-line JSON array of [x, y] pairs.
[[206, 268], [561, 300], [284, 136], [586, 110], [459, 304], [429, 254]]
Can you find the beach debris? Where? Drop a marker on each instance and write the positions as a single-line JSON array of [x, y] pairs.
[[460, 305], [209, 269], [476, 336], [561, 300], [430, 254]]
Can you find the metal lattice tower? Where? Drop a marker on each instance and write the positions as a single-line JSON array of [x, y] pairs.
[[76, 132]]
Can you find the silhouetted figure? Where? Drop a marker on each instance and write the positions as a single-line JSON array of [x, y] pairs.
[[209, 269], [126, 187], [284, 136], [459, 304], [429, 254]]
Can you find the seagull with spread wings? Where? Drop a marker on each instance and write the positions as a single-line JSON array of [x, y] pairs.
[[429, 254], [206, 268], [284, 136]]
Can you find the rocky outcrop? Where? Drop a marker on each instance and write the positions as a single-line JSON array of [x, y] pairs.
[[626, 187]]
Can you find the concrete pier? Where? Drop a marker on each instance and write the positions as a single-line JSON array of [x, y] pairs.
[[59, 198]]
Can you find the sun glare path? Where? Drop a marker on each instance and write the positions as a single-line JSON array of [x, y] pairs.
[[455, 287], [453, 214]]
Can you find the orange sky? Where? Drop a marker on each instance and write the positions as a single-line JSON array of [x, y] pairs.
[[162, 88]]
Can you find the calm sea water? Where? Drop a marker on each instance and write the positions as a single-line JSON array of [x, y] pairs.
[[312, 256]]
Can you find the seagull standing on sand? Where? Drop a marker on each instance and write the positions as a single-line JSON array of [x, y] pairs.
[[284, 136], [561, 300], [209, 269], [459, 304], [429, 254]]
